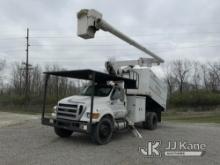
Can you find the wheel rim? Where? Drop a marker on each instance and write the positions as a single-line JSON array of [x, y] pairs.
[[104, 131]]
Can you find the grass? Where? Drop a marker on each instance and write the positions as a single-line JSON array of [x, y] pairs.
[[195, 99], [193, 117]]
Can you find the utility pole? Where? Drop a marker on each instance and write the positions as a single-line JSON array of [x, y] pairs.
[[27, 67]]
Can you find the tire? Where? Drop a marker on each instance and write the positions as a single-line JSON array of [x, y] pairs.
[[102, 131], [62, 132], [150, 121]]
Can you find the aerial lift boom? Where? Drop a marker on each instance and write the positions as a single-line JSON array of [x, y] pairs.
[[89, 21]]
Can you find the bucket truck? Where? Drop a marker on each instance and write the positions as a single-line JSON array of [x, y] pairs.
[[130, 93]]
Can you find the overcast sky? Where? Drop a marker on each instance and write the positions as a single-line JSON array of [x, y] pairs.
[[173, 29]]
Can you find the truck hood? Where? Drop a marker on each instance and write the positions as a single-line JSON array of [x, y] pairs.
[[78, 99]]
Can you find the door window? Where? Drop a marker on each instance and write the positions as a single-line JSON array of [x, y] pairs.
[[117, 94]]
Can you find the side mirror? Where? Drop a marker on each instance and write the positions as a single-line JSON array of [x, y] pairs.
[[112, 97]]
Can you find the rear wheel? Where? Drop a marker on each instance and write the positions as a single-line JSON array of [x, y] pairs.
[[102, 131], [62, 132], [150, 121]]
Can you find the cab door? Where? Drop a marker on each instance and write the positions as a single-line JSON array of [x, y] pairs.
[[118, 103]]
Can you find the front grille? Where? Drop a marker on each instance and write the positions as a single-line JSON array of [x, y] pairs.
[[68, 105], [68, 111]]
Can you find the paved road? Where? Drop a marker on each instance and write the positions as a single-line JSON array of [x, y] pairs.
[[28, 142]]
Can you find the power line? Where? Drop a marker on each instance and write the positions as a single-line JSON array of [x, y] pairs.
[[72, 35], [11, 38], [115, 44], [70, 49]]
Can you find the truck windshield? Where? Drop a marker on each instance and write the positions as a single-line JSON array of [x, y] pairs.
[[101, 91]]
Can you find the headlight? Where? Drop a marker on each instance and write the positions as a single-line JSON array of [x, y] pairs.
[[55, 108], [54, 114], [95, 115]]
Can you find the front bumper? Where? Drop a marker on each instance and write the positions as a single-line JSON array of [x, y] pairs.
[[76, 126]]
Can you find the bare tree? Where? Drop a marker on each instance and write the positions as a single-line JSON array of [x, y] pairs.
[[205, 76], [36, 81], [214, 75], [18, 79], [196, 75], [2, 66], [181, 69], [59, 86], [170, 78]]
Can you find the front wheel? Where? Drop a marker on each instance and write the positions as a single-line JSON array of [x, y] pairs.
[[62, 132], [102, 131], [150, 121]]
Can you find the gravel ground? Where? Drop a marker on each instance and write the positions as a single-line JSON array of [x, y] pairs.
[[8, 119], [27, 142]]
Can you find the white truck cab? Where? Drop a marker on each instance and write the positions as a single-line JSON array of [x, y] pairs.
[[108, 100]]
